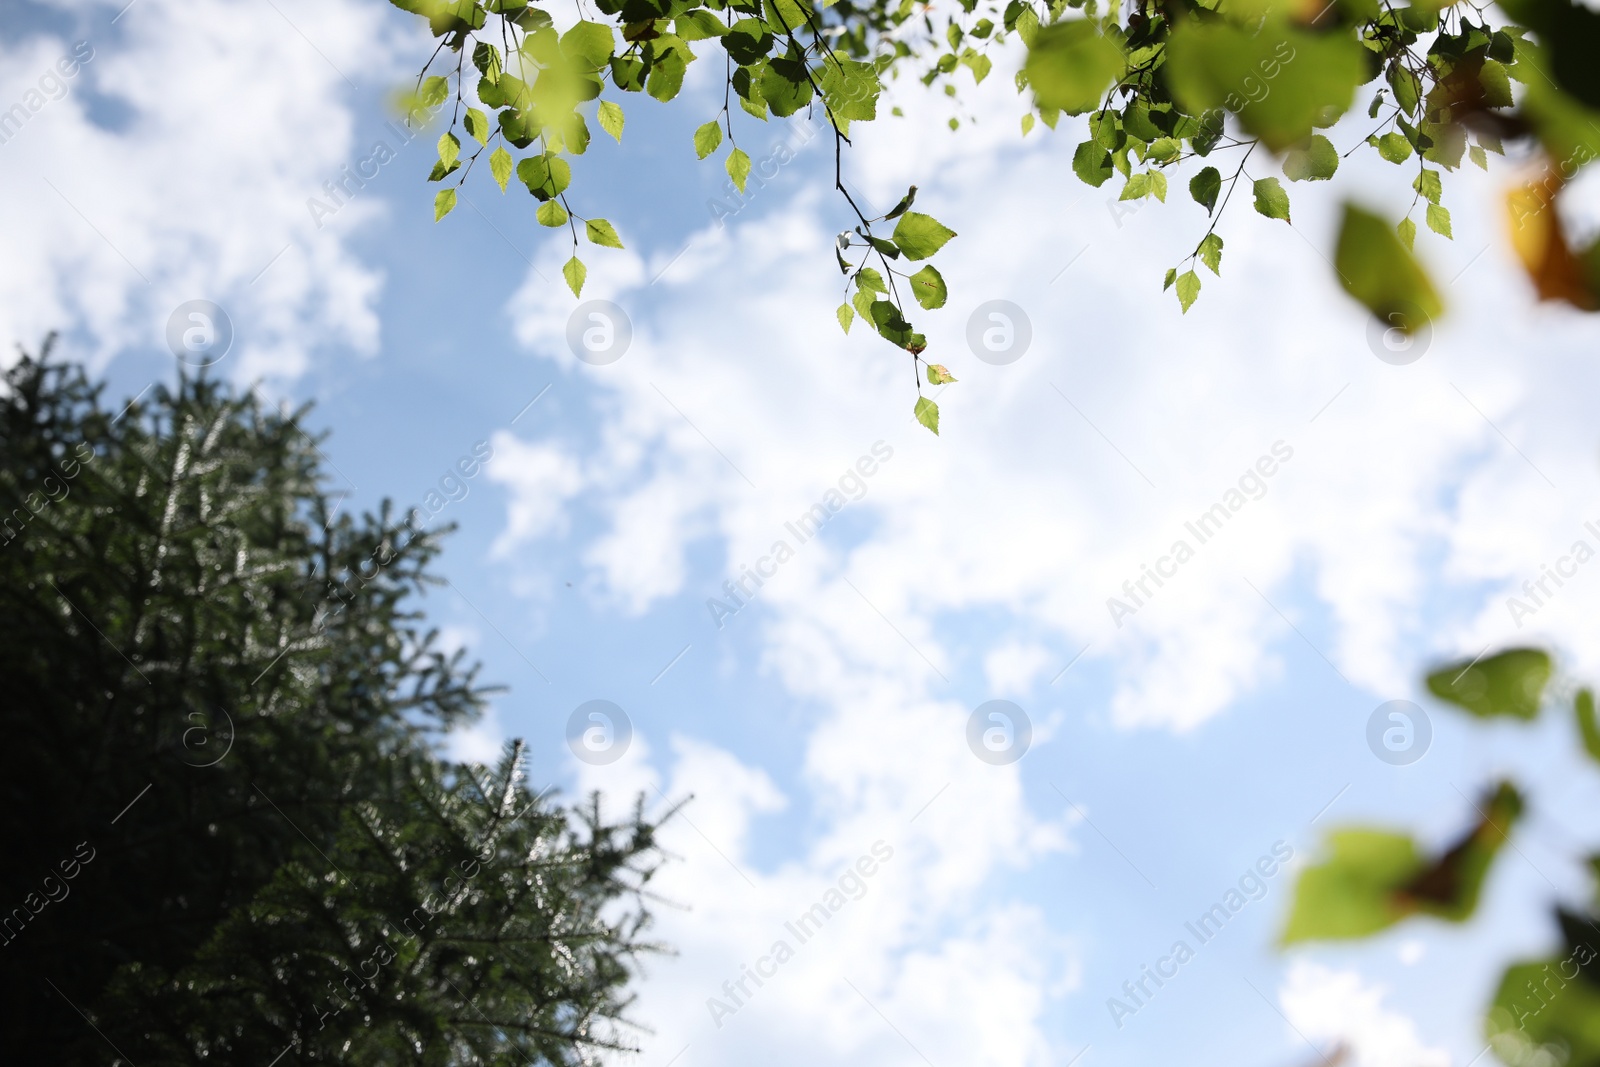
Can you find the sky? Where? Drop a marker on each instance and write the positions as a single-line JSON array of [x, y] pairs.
[[1001, 879]]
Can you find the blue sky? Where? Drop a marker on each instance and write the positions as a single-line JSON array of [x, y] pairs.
[[831, 714]]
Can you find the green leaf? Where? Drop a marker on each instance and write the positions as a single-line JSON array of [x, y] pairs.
[[1172, 274], [929, 288], [785, 86], [939, 374], [1395, 147], [904, 204], [590, 44], [1495, 84], [575, 272], [1427, 184], [1137, 187], [500, 166], [1315, 160], [1210, 252], [920, 236], [1408, 233], [477, 124], [545, 176], [1281, 82], [486, 57], [886, 247], [1071, 65], [1406, 85], [892, 326], [1479, 156], [1205, 187], [869, 280], [699, 25], [707, 138], [862, 302], [551, 213], [785, 13], [846, 315], [1509, 683], [602, 232], [927, 413], [666, 76], [444, 203], [1163, 150], [1541, 1007], [1350, 894], [1439, 220], [1091, 163], [627, 74], [1188, 289], [738, 168], [611, 119], [851, 90], [1588, 728], [434, 91], [1158, 185], [1373, 878], [1271, 200], [449, 148], [1379, 271]]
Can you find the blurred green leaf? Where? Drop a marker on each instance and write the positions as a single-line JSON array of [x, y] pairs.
[[1071, 64], [1380, 272], [1588, 727], [1509, 683], [1279, 81], [1371, 879]]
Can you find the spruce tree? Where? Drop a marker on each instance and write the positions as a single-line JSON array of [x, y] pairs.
[[230, 836]]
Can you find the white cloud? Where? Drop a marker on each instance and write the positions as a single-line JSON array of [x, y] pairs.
[[227, 120], [541, 480], [1335, 1006], [904, 918]]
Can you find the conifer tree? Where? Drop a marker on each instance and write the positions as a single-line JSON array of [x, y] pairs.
[[229, 836]]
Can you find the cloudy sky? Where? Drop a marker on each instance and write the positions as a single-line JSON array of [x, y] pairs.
[[823, 728]]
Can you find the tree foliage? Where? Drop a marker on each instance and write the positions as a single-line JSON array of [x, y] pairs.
[[1544, 1011], [1164, 88], [228, 835]]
